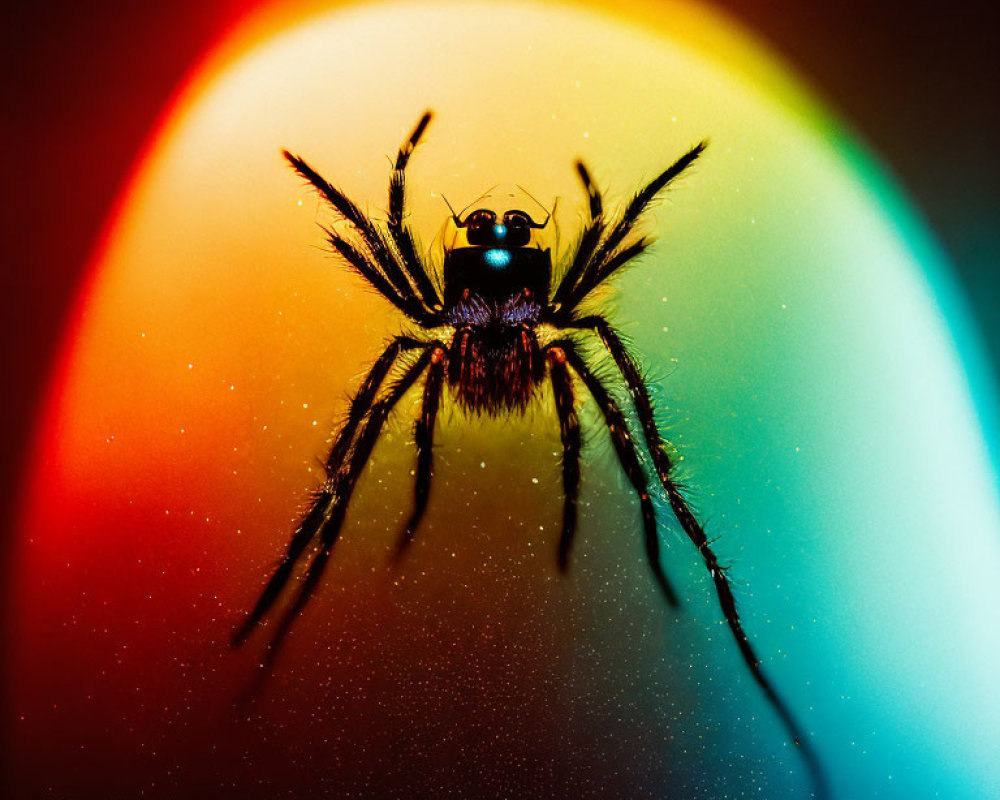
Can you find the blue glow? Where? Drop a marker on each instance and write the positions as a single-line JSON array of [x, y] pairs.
[[500, 231], [497, 258]]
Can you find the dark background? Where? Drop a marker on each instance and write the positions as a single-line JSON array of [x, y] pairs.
[[84, 86]]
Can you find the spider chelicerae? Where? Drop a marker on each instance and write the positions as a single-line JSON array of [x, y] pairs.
[[495, 333]]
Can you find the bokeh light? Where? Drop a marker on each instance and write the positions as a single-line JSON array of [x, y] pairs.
[[810, 365]]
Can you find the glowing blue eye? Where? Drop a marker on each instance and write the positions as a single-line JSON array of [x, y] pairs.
[[497, 258], [500, 231]]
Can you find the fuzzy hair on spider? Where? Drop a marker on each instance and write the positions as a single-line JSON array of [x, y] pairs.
[[483, 342]]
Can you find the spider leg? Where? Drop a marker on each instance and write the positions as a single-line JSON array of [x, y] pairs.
[[373, 238], [627, 456], [588, 240], [662, 463], [363, 265], [595, 277], [595, 269], [424, 435], [641, 200], [341, 487], [569, 431], [320, 507], [401, 234]]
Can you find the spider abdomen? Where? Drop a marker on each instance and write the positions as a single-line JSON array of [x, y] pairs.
[[495, 368]]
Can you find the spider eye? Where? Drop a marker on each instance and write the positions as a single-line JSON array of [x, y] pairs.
[[518, 219], [480, 218], [518, 228], [479, 226]]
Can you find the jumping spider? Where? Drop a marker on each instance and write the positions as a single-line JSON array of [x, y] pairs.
[[483, 343]]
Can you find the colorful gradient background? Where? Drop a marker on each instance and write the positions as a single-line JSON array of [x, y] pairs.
[[813, 396]]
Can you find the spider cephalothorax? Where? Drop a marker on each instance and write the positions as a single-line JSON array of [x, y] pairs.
[[495, 292], [481, 339]]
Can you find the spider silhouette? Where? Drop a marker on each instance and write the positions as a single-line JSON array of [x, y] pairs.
[[501, 332]]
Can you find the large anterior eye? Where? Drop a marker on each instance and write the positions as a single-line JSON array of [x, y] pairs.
[[518, 225], [479, 227]]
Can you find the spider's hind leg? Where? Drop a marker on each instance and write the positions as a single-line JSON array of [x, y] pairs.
[[342, 488], [629, 459], [424, 435], [318, 514], [569, 431], [312, 521], [696, 533]]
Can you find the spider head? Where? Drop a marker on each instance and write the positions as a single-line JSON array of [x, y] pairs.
[[484, 229]]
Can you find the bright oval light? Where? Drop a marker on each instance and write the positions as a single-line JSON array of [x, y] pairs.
[[804, 362]]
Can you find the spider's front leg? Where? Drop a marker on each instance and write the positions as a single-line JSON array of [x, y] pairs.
[[401, 234], [696, 533], [589, 239], [389, 262], [600, 251], [560, 353]]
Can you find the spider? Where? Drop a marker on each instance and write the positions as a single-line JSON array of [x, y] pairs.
[[493, 353]]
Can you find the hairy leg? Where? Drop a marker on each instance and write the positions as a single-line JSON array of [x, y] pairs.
[[400, 233], [696, 533], [596, 260], [634, 210], [314, 518], [376, 244], [625, 448], [569, 431], [588, 240], [340, 489], [424, 435]]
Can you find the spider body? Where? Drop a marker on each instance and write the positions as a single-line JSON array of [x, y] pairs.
[[494, 297], [481, 337]]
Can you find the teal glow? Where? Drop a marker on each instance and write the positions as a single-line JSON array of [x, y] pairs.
[[846, 454], [497, 258], [939, 274], [500, 231]]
